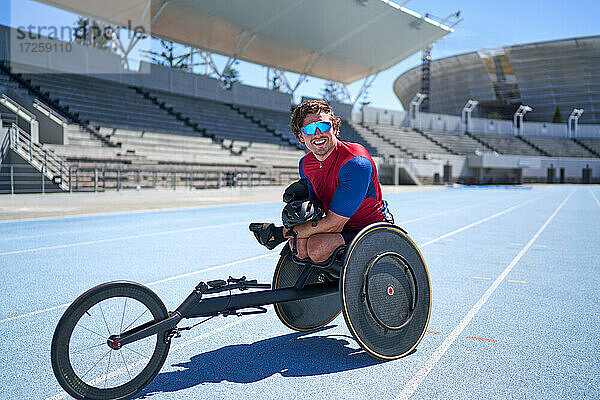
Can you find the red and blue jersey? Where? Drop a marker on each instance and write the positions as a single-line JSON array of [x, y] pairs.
[[345, 183]]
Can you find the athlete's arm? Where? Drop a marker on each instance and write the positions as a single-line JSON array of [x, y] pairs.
[[332, 223], [353, 182]]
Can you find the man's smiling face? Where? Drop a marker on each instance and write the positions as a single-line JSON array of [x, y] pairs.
[[321, 144]]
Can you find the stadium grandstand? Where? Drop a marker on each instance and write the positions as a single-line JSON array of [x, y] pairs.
[[559, 74], [69, 125]]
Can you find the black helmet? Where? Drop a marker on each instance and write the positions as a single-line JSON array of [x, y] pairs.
[[300, 211]]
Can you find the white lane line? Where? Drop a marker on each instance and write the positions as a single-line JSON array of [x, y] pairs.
[[418, 378], [594, 196], [442, 213], [119, 213], [481, 221], [148, 284], [209, 269], [134, 224], [266, 255], [143, 235], [173, 349]]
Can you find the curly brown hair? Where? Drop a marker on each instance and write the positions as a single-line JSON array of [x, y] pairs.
[[311, 107]]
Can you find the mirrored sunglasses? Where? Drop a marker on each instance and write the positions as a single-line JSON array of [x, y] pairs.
[[311, 129]]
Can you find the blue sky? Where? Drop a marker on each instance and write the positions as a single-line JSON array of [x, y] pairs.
[[486, 24]]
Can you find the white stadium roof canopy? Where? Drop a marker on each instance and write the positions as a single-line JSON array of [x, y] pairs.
[[337, 40]]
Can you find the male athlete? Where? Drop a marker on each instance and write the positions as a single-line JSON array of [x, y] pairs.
[[341, 175]]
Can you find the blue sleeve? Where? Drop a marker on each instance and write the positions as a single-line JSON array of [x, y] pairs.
[[311, 192], [354, 178]]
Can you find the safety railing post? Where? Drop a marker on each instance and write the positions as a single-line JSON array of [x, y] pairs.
[[103, 178], [219, 179], [173, 178], [95, 180], [43, 180], [12, 179], [70, 180]]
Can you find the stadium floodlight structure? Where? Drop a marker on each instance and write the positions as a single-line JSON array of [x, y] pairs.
[[518, 119], [573, 119], [414, 113], [466, 114]]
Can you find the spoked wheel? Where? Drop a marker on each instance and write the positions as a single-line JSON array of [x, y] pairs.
[[84, 364]]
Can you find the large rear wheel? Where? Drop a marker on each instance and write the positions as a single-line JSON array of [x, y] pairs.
[[83, 362], [385, 291]]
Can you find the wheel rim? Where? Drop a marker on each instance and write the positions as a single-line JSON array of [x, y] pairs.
[[84, 364], [93, 361]]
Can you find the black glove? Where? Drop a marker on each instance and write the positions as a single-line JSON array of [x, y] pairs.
[[264, 231], [296, 191]]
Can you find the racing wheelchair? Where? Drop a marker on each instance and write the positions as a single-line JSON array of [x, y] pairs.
[[113, 339]]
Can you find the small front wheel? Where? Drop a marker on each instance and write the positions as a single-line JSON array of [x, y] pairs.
[[83, 362]]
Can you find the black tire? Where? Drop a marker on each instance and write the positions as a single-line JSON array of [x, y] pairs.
[[85, 372], [388, 312]]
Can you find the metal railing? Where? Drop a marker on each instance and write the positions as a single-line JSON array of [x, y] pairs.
[[95, 179], [22, 178], [6, 120], [48, 163], [45, 165], [5, 145]]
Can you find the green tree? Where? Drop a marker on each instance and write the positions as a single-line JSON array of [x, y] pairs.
[[276, 83], [365, 99], [331, 92], [557, 118], [230, 76], [168, 56], [95, 34]]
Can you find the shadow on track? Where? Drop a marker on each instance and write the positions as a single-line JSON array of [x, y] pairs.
[[290, 355]]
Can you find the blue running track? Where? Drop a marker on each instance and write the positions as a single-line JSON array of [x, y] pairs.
[[515, 277]]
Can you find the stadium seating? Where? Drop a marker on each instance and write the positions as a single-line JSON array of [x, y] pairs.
[[509, 145], [409, 139], [277, 121], [459, 143], [217, 119], [105, 103], [559, 147], [382, 147], [593, 144]]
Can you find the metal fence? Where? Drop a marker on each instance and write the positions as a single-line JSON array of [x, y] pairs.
[[21, 178]]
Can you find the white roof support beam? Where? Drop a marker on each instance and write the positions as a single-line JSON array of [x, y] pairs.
[[159, 11], [239, 48]]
